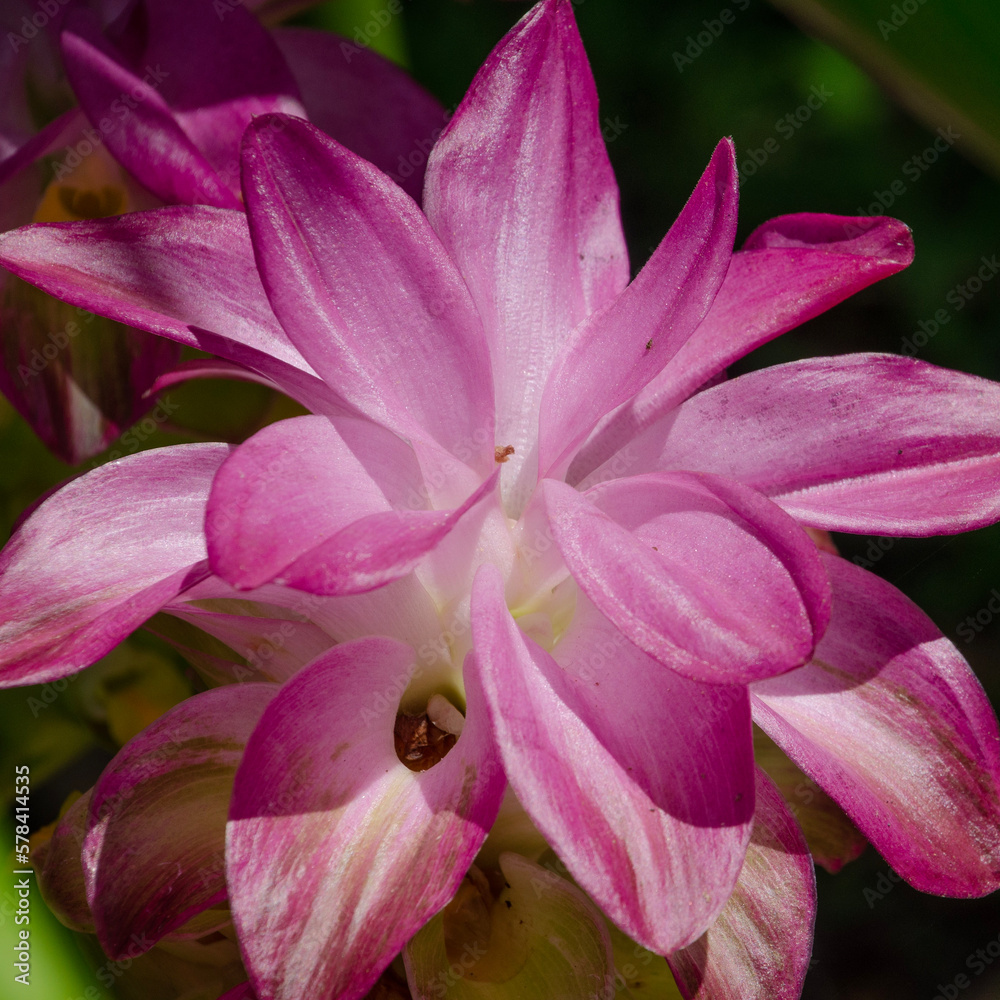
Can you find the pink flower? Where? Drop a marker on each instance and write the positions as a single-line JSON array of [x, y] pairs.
[[164, 94], [515, 497]]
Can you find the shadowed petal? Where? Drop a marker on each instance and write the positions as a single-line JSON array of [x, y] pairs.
[[641, 780], [154, 851], [174, 116], [186, 273], [522, 194], [365, 102], [616, 353], [364, 288], [45, 142], [217, 73], [143, 135], [869, 443], [832, 838], [242, 992], [337, 853], [759, 947], [274, 648], [79, 380], [708, 577], [99, 557], [890, 720], [60, 872]]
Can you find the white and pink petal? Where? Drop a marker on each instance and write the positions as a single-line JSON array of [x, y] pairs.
[[154, 852], [679, 562], [365, 290], [337, 853], [759, 947], [520, 189], [99, 557], [890, 720], [869, 443], [641, 780], [617, 352]]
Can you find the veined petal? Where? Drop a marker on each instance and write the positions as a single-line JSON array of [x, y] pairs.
[[186, 273], [708, 577], [759, 947], [789, 270], [298, 505], [99, 557], [377, 549], [641, 780], [365, 102], [869, 443], [154, 852], [521, 192], [364, 288], [337, 853], [619, 351], [891, 721]]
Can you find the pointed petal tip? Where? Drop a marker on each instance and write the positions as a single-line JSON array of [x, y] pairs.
[[879, 236]]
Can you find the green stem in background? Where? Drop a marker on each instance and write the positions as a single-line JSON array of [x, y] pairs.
[[940, 61]]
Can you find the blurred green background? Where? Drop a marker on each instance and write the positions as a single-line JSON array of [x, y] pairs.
[[667, 97]]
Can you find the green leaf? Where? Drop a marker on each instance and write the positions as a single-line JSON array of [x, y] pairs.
[[939, 60], [540, 938]]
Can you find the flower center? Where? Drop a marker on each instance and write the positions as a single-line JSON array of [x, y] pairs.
[[94, 189], [424, 740]]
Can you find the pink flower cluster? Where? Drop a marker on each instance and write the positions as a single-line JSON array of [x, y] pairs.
[[531, 563]]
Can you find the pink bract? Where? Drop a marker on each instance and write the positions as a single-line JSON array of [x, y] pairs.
[[514, 492], [164, 91]]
